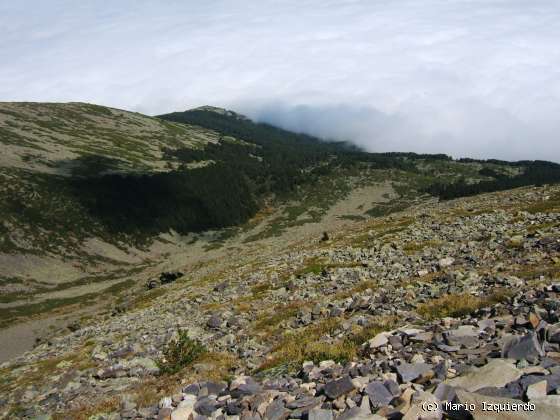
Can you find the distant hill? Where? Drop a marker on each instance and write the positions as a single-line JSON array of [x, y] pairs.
[[78, 170]]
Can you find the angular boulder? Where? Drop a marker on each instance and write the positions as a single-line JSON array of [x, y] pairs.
[[335, 389], [497, 373]]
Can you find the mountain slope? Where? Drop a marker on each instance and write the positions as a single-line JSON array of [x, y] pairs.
[[95, 201], [63, 138], [54, 250], [457, 298]]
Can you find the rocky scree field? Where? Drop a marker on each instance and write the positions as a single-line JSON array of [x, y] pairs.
[[453, 301]]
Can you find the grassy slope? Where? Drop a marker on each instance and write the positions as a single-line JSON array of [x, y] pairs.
[[44, 144], [60, 138], [44, 228]]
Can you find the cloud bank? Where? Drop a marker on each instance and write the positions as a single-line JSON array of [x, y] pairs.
[[477, 78]]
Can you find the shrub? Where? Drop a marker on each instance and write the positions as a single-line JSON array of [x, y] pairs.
[[180, 353]]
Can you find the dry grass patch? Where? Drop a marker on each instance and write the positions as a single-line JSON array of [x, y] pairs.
[[548, 206], [219, 366], [308, 344], [359, 288], [261, 289], [350, 264], [362, 334], [146, 298], [378, 230], [317, 266], [210, 366], [460, 305], [267, 321], [413, 247], [214, 367], [211, 306], [534, 272], [86, 411], [36, 372], [460, 212], [360, 241], [209, 279], [532, 229], [312, 265], [242, 307]]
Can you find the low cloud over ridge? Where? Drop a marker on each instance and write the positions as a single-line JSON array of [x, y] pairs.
[[474, 78]]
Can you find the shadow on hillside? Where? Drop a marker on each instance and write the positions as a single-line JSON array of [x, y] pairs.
[[150, 203]]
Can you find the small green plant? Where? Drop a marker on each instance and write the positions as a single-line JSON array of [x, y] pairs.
[[312, 265], [180, 353]]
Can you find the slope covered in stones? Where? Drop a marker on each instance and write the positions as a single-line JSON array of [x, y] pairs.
[[453, 301]]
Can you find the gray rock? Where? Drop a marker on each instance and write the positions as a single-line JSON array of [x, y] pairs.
[[335, 389], [192, 389], [378, 394], [205, 406], [395, 342], [164, 413], [497, 373], [214, 388], [393, 387], [419, 409], [444, 392], [537, 390], [543, 411], [303, 402], [320, 414], [408, 372], [381, 339], [276, 410], [356, 413], [465, 335], [523, 347], [214, 322], [446, 262], [506, 392], [448, 349]]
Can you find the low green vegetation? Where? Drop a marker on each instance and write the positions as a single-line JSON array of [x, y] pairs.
[[532, 272], [545, 206], [268, 321], [143, 300], [180, 353], [313, 266], [530, 173], [414, 247], [313, 343], [352, 217]]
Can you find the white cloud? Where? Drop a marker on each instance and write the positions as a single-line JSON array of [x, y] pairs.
[[466, 77]]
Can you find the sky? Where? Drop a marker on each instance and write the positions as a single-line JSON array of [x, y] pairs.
[[470, 78]]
